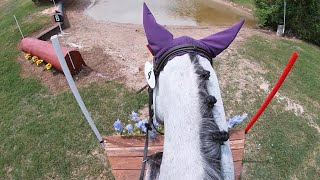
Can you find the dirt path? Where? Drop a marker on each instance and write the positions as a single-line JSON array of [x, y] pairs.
[[114, 51], [117, 52]]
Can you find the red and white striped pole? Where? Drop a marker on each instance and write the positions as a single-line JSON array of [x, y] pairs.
[[283, 76]]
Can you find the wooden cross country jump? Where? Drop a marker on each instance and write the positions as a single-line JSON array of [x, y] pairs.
[[125, 153]]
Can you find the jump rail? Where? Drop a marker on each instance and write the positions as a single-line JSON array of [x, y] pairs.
[[125, 153]]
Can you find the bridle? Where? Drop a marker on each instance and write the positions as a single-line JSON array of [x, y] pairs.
[[158, 65]]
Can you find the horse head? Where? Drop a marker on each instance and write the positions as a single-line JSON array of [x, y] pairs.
[[187, 100]]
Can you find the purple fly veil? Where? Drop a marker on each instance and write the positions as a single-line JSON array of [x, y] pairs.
[[221, 40], [160, 39]]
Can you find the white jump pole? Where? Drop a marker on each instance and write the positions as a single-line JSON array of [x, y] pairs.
[[18, 26], [56, 46]]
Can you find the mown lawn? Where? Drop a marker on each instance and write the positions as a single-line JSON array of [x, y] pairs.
[[283, 144], [45, 135]]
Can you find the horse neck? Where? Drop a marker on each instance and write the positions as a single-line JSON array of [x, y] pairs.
[[180, 99]]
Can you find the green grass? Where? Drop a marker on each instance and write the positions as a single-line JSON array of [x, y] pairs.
[[289, 145], [274, 55], [246, 3], [45, 136]]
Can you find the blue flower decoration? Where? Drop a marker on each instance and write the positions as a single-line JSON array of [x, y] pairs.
[[152, 134], [117, 125], [141, 125], [135, 117], [144, 128], [129, 128], [236, 120]]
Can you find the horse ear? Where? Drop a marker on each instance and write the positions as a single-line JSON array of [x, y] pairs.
[[221, 40], [156, 34]]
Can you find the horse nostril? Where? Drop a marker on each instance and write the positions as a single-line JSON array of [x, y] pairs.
[[205, 75], [211, 100]]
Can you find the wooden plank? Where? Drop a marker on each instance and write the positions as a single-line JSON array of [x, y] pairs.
[[132, 141], [237, 168], [237, 177], [237, 154], [118, 145], [125, 153], [237, 144], [130, 167], [234, 144], [132, 151], [125, 163], [134, 174], [126, 174], [236, 134]]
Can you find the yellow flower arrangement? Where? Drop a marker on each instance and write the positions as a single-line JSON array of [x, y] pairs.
[[39, 62], [48, 66], [35, 59], [27, 56]]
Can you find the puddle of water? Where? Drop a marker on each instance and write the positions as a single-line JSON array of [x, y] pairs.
[[170, 12]]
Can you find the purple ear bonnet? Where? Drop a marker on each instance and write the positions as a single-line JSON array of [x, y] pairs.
[[160, 39]]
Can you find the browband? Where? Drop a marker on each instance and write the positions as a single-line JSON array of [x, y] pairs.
[[177, 50]]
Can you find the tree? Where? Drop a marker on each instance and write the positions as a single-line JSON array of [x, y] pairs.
[[303, 17]]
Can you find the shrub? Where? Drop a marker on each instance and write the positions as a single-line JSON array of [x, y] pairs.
[[302, 17]]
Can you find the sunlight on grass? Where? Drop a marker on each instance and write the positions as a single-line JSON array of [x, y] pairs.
[[303, 81], [287, 141]]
